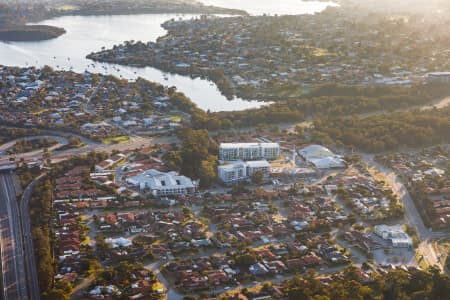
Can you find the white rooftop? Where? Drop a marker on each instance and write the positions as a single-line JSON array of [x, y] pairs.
[[156, 180], [233, 166], [258, 164], [118, 242], [315, 151], [439, 74], [248, 145], [321, 157]]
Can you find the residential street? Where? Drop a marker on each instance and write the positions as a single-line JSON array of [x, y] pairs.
[[412, 216]]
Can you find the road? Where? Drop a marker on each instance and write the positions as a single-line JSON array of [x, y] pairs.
[[30, 261], [61, 141], [412, 216], [58, 156], [171, 294], [12, 259], [94, 93]]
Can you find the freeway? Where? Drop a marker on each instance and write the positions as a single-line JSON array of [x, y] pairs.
[[12, 260], [30, 261]]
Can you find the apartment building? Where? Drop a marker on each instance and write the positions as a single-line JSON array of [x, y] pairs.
[[234, 173], [248, 151]]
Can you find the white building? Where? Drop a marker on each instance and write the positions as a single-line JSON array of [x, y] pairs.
[[163, 184], [321, 157], [395, 234], [232, 173], [438, 77], [248, 151], [242, 171], [256, 166]]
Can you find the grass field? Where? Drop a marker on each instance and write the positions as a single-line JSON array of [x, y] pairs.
[[68, 7], [116, 140], [443, 248], [322, 52], [86, 241], [421, 262], [158, 287], [176, 116]]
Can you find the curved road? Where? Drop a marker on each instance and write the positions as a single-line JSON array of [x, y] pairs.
[[57, 156], [61, 141]]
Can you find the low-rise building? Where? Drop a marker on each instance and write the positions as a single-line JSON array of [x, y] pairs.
[[438, 77], [395, 234], [163, 184], [321, 157]]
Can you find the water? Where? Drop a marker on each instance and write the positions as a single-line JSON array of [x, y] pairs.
[[283, 7], [86, 34]]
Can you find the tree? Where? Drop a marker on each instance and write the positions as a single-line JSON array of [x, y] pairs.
[[64, 286], [245, 260], [57, 294], [94, 266], [208, 171], [198, 155], [258, 177], [173, 159]]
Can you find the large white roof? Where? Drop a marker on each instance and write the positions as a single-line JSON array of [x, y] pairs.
[[156, 180], [321, 157], [327, 162], [315, 151]]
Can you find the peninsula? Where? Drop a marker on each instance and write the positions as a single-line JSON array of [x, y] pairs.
[[281, 57], [14, 17]]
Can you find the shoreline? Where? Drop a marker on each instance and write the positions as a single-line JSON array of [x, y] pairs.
[[30, 33], [210, 10]]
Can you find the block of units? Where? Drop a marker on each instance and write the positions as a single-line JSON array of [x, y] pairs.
[[237, 172], [248, 151]]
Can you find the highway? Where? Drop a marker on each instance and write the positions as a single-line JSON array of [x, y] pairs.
[[13, 281], [30, 261]]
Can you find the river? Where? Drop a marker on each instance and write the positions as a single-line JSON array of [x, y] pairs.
[[272, 7], [86, 34]]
